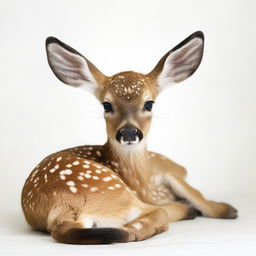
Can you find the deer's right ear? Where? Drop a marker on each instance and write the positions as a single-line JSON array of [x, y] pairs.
[[71, 67]]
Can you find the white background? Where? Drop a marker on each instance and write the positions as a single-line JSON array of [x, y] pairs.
[[206, 123]]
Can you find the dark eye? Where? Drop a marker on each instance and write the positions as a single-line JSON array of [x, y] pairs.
[[148, 105], [107, 107]]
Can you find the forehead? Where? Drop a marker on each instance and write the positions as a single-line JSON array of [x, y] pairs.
[[129, 86]]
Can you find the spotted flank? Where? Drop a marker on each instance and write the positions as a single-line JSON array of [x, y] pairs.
[[73, 173], [76, 172]]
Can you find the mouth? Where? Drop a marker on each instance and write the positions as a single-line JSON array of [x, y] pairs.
[[130, 142]]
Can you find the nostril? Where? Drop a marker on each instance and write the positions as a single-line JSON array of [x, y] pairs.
[[121, 131]]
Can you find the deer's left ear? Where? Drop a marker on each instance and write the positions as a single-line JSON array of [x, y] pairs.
[[179, 63]]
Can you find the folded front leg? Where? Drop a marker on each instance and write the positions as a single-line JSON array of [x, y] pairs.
[[152, 223]]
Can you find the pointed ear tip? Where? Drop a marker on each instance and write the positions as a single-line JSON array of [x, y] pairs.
[[198, 34], [50, 40]]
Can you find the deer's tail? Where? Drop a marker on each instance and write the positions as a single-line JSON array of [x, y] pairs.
[[70, 233]]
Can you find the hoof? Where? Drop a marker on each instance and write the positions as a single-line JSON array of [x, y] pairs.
[[231, 213]]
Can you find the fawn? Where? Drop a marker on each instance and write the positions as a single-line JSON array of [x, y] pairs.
[[117, 192]]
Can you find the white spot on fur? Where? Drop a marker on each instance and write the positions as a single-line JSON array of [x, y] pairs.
[[98, 171], [76, 163], [95, 177], [35, 172], [106, 179], [113, 176], [62, 177], [70, 183], [80, 177], [59, 158], [66, 172], [87, 176], [73, 189], [93, 189], [54, 168], [86, 166], [97, 166], [98, 153], [111, 188], [36, 179]]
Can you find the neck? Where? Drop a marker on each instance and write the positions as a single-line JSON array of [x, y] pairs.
[[132, 164]]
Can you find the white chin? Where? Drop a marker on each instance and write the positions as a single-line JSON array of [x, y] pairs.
[[129, 143]]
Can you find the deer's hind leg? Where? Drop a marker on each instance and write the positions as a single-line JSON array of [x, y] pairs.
[[174, 176], [197, 200]]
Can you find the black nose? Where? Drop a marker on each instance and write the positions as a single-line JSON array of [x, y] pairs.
[[129, 134]]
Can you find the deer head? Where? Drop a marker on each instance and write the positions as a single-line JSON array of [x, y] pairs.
[[127, 97]]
